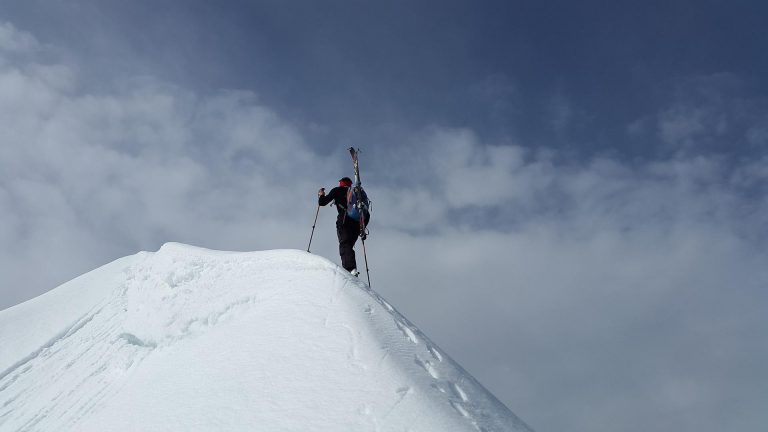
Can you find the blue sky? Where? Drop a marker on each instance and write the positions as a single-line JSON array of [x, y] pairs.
[[569, 198]]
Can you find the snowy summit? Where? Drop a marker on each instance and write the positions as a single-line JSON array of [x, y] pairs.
[[188, 339]]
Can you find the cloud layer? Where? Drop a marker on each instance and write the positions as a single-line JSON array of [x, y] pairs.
[[595, 294], [111, 173]]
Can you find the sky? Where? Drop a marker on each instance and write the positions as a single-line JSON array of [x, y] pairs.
[[568, 197]]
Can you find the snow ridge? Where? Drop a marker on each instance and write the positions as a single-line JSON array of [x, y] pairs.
[[193, 339]]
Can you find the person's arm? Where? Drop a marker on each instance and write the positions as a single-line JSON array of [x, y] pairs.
[[323, 199]]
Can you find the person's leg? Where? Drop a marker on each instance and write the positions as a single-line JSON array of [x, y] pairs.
[[347, 239], [353, 232]]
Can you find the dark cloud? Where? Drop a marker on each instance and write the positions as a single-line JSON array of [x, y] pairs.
[[505, 70]]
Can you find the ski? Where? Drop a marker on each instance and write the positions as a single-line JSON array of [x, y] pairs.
[[355, 165], [361, 200], [362, 204]]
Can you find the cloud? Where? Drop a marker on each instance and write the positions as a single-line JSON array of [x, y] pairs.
[[111, 173], [715, 114], [603, 312], [590, 294], [596, 286], [13, 40]]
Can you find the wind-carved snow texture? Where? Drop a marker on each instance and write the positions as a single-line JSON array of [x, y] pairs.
[[191, 339]]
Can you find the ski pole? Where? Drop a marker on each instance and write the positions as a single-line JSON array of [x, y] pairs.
[[367, 270], [313, 227]]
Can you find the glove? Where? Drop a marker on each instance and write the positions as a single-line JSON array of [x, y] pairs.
[[321, 192]]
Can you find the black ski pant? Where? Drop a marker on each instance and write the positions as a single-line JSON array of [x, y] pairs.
[[347, 230]]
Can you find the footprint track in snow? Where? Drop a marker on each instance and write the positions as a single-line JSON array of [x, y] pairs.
[[427, 366], [459, 392], [386, 305], [407, 331], [435, 353], [458, 406]]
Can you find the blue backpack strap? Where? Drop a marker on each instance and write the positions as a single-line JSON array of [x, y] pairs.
[[352, 211]]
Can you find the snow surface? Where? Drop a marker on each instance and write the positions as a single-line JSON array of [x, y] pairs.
[[189, 339]]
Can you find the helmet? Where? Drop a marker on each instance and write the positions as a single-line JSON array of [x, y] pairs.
[[345, 181]]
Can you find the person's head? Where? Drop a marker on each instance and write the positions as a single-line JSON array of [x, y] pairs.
[[345, 182]]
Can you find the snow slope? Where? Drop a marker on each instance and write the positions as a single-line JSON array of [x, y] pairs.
[[188, 339]]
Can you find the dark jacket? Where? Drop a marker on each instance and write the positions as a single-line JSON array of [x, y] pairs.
[[339, 197]]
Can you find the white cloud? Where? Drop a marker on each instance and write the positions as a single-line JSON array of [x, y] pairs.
[[107, 174], [13, 40], [708, 114], [621, 283]]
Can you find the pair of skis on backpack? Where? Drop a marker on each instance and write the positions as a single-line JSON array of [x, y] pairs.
[[358, 204]]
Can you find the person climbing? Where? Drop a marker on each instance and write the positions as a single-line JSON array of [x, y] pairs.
[[347, 228]]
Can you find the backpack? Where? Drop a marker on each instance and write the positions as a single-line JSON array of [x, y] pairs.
[[353, 212]]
